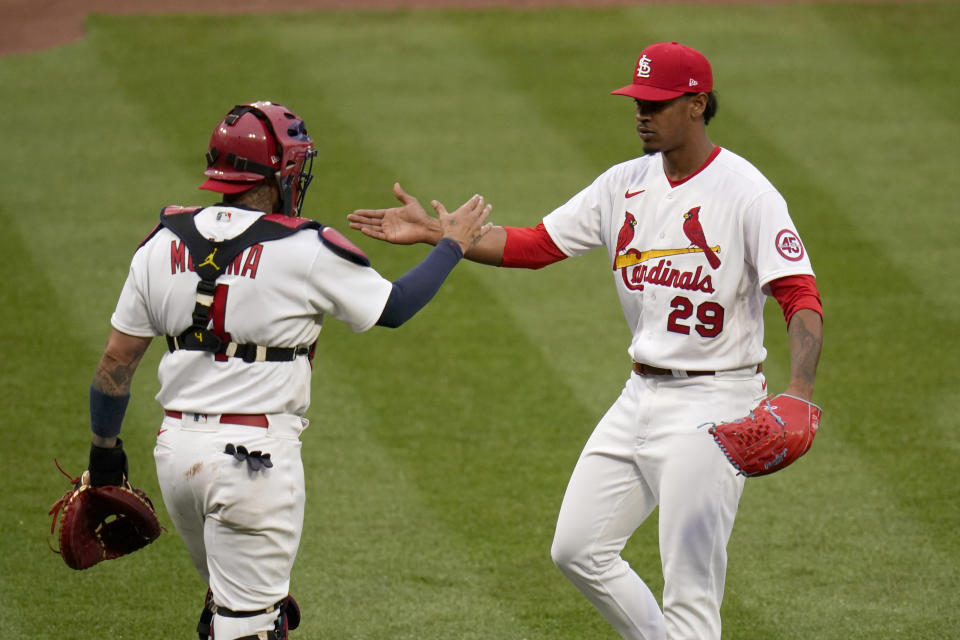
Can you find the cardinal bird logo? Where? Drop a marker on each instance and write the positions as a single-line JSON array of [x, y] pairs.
[[626, 232], [694, 232]]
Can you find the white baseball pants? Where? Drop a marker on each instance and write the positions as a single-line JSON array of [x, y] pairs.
[[241, 527], [652, 449]]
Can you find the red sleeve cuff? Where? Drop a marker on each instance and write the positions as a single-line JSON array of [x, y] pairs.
[[794, 293], [530, 248]]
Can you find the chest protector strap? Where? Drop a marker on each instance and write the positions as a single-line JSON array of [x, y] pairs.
[[218, 256]]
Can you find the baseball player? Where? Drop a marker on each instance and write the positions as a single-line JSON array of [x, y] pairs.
[[696, 238], [240, 290]]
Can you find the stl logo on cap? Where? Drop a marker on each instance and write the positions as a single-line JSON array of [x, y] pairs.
[[667, 70], [643, 67]]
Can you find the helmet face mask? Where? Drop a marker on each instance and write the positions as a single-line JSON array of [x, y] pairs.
[[297, 161], [261, 140]]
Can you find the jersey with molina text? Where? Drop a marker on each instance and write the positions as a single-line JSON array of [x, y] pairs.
[[274, 294]]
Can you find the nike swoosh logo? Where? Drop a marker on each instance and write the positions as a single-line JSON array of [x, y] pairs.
[[630, 194]]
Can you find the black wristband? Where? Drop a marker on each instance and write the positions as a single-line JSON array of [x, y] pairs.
[[108, 465], [106, 412]]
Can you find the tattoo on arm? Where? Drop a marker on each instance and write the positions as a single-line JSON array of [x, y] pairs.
[[113, 377], [806, 340], [118, 363]]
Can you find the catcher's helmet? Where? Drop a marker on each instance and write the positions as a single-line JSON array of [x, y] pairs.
[[261, 140]]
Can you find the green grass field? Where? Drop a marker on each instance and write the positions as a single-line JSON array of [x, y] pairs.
[[438, 453]]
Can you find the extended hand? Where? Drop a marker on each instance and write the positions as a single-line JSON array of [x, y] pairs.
[[406, 224], [466, 224]]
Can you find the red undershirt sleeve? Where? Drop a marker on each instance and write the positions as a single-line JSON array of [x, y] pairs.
[[530, 248], [794, 293]]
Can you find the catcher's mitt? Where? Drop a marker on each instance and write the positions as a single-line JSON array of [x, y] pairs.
[[102, 522], [777, 432]]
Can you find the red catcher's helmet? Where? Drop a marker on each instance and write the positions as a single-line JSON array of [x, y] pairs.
[[261, 140]]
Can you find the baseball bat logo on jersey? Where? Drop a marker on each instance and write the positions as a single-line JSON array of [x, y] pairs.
[[636, 274], [691, 228]]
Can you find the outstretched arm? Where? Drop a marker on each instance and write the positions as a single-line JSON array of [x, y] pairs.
[[409, 223], [461, 230]]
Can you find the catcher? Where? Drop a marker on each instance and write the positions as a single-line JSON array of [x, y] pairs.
[[239, 290]]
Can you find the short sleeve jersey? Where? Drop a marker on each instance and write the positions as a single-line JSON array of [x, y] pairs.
[[274, 294], [690, 260]]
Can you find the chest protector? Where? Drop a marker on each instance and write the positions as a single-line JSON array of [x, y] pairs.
[[217, 256]]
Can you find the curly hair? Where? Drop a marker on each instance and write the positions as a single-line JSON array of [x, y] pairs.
[[711, 109]]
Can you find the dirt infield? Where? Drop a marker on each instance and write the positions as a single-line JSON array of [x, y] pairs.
[[33, 25]]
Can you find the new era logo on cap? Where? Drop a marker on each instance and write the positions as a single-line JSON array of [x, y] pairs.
[[667, 70]]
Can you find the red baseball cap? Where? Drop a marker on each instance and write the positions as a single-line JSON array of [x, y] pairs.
[[228, 186], [668, 70]]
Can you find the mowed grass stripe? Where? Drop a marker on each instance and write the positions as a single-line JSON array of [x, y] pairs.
[[887, 177], [377, 558], [867, 518], [57, 263]]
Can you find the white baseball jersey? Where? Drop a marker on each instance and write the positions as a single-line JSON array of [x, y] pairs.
[[274, 294], [687, 310]]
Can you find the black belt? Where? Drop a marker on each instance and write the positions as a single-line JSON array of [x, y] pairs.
[[248, 352], [649, 370]]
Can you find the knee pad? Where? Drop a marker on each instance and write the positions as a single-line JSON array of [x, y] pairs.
[[284, 616], [245, 625]]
